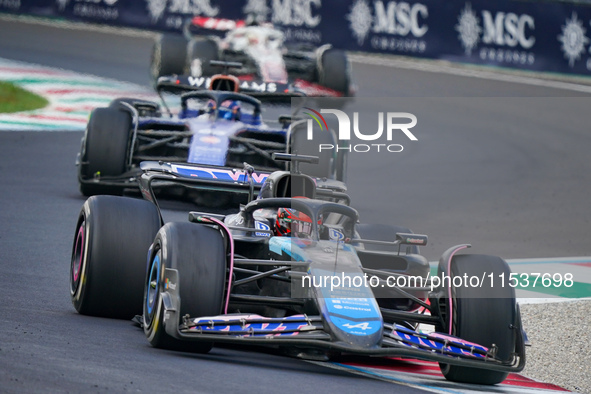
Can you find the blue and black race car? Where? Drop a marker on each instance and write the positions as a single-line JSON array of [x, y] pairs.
[[292, 269]]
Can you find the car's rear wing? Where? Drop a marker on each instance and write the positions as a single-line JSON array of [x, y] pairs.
[[178, 84], [207, 26]]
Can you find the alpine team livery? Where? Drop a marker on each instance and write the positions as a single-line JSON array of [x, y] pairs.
[[249, 277]]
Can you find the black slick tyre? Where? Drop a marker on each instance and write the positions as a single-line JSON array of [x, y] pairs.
[[484, 315], [335, 71], [169, 55], [104, 150], [205, 50], [198, 253], [108, 266]]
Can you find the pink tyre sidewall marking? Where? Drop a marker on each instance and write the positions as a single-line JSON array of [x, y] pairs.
[[78, 248]]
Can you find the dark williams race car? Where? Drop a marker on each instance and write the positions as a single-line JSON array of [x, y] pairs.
[[220, 123], [256, 277]]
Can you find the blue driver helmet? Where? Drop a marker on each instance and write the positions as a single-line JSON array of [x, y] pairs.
[[231, 110]]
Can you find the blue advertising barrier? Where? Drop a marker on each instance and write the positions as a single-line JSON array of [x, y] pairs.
[[531, 35]]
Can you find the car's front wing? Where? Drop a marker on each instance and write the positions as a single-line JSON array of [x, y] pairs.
[[309, 331]]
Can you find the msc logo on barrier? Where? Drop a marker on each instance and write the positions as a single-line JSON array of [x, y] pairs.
[[574, 41], [286, 12], [387, 20], [344, 130], [506, 37]]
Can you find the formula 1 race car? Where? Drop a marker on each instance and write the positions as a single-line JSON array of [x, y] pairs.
[[217, 125], [260, 49], [267, 275]]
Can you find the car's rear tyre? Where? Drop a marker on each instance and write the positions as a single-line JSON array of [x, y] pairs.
[[198, 253], [205, 50], [484, 315], [334, 71], [299, 144], [105, 149], [169, 55], [107, 271]]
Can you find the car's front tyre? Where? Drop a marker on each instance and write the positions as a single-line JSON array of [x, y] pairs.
[[198, 253], [484, 314]]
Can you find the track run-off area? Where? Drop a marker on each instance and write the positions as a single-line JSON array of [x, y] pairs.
[[72, 96], [513, 182]]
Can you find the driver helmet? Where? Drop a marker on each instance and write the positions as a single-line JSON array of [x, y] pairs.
[[253, 19], [210, 107], [291, 222], [231, 110]]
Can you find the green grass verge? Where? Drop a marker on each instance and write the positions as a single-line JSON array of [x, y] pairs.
[[16, 99]]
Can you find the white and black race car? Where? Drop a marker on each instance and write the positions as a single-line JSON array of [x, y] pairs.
[[260, 49]]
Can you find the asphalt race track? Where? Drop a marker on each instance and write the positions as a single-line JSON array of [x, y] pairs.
[[503, 166]]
